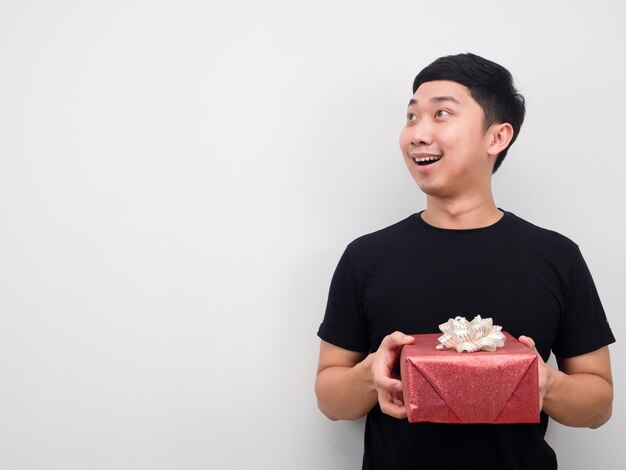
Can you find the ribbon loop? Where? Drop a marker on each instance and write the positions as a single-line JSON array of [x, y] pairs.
[[478, 335]]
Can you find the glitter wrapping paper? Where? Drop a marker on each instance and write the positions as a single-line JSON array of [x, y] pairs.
[[480, 387]]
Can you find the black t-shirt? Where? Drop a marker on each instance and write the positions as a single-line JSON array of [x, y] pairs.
[[411, 277]]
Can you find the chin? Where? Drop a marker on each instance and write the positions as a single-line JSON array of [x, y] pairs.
[[428, 188], [434, 191]]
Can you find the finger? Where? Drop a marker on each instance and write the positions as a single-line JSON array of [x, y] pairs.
[[528, 342], [394, 410], [393, 407], [398, 402], [388, 352], [387, 384], [396, 339], [391, 403]]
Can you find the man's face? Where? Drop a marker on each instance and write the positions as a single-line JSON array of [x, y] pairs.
[[444, 143]]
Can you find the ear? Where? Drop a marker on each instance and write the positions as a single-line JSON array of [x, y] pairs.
[[499, 136]]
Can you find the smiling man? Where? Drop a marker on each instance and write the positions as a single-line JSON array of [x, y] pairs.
[[462, 255]]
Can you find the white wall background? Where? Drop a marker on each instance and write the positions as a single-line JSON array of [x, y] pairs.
[[179, 178]]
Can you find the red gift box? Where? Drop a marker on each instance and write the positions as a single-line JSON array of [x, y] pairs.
[[445, 386]]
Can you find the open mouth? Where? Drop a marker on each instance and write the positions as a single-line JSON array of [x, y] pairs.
[[425, 161]]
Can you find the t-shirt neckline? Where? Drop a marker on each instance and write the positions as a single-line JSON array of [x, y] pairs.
[[495, 226]]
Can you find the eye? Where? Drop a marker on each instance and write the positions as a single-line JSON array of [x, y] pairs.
[[411, 117], [441, 113]]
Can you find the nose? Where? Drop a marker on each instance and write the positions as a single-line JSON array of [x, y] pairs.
[[421, 133]]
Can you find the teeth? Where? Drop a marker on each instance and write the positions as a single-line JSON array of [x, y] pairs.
[[427, 159]]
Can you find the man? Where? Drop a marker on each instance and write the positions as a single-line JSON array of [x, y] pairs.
[[461, 256]]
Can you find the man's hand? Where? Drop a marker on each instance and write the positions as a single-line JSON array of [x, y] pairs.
[[545, 371], [388, 387], [580, 393], [349, 383]]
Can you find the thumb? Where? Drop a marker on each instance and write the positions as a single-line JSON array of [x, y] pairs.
[[528, 342]]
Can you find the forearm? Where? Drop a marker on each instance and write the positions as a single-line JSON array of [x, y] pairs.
[[581, 400], [346, 392]]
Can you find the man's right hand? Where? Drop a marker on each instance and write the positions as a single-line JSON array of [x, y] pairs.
[[388, 386], [350, 383]]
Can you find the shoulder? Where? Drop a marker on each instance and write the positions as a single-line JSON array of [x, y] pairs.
[[539, 238], [385, 237], [383, 246]]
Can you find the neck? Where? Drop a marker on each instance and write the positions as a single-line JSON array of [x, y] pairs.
[[476, 211]]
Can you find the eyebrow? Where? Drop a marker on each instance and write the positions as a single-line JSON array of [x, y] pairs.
[[437, 99]]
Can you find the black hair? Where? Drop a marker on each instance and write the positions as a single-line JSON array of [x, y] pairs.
[[490, 84]]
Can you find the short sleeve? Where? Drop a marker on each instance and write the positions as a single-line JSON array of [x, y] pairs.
[[344, 323], [584, 327]]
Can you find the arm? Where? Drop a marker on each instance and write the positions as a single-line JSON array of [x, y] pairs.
[[343, 386], [580, 393], [349, 383]]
